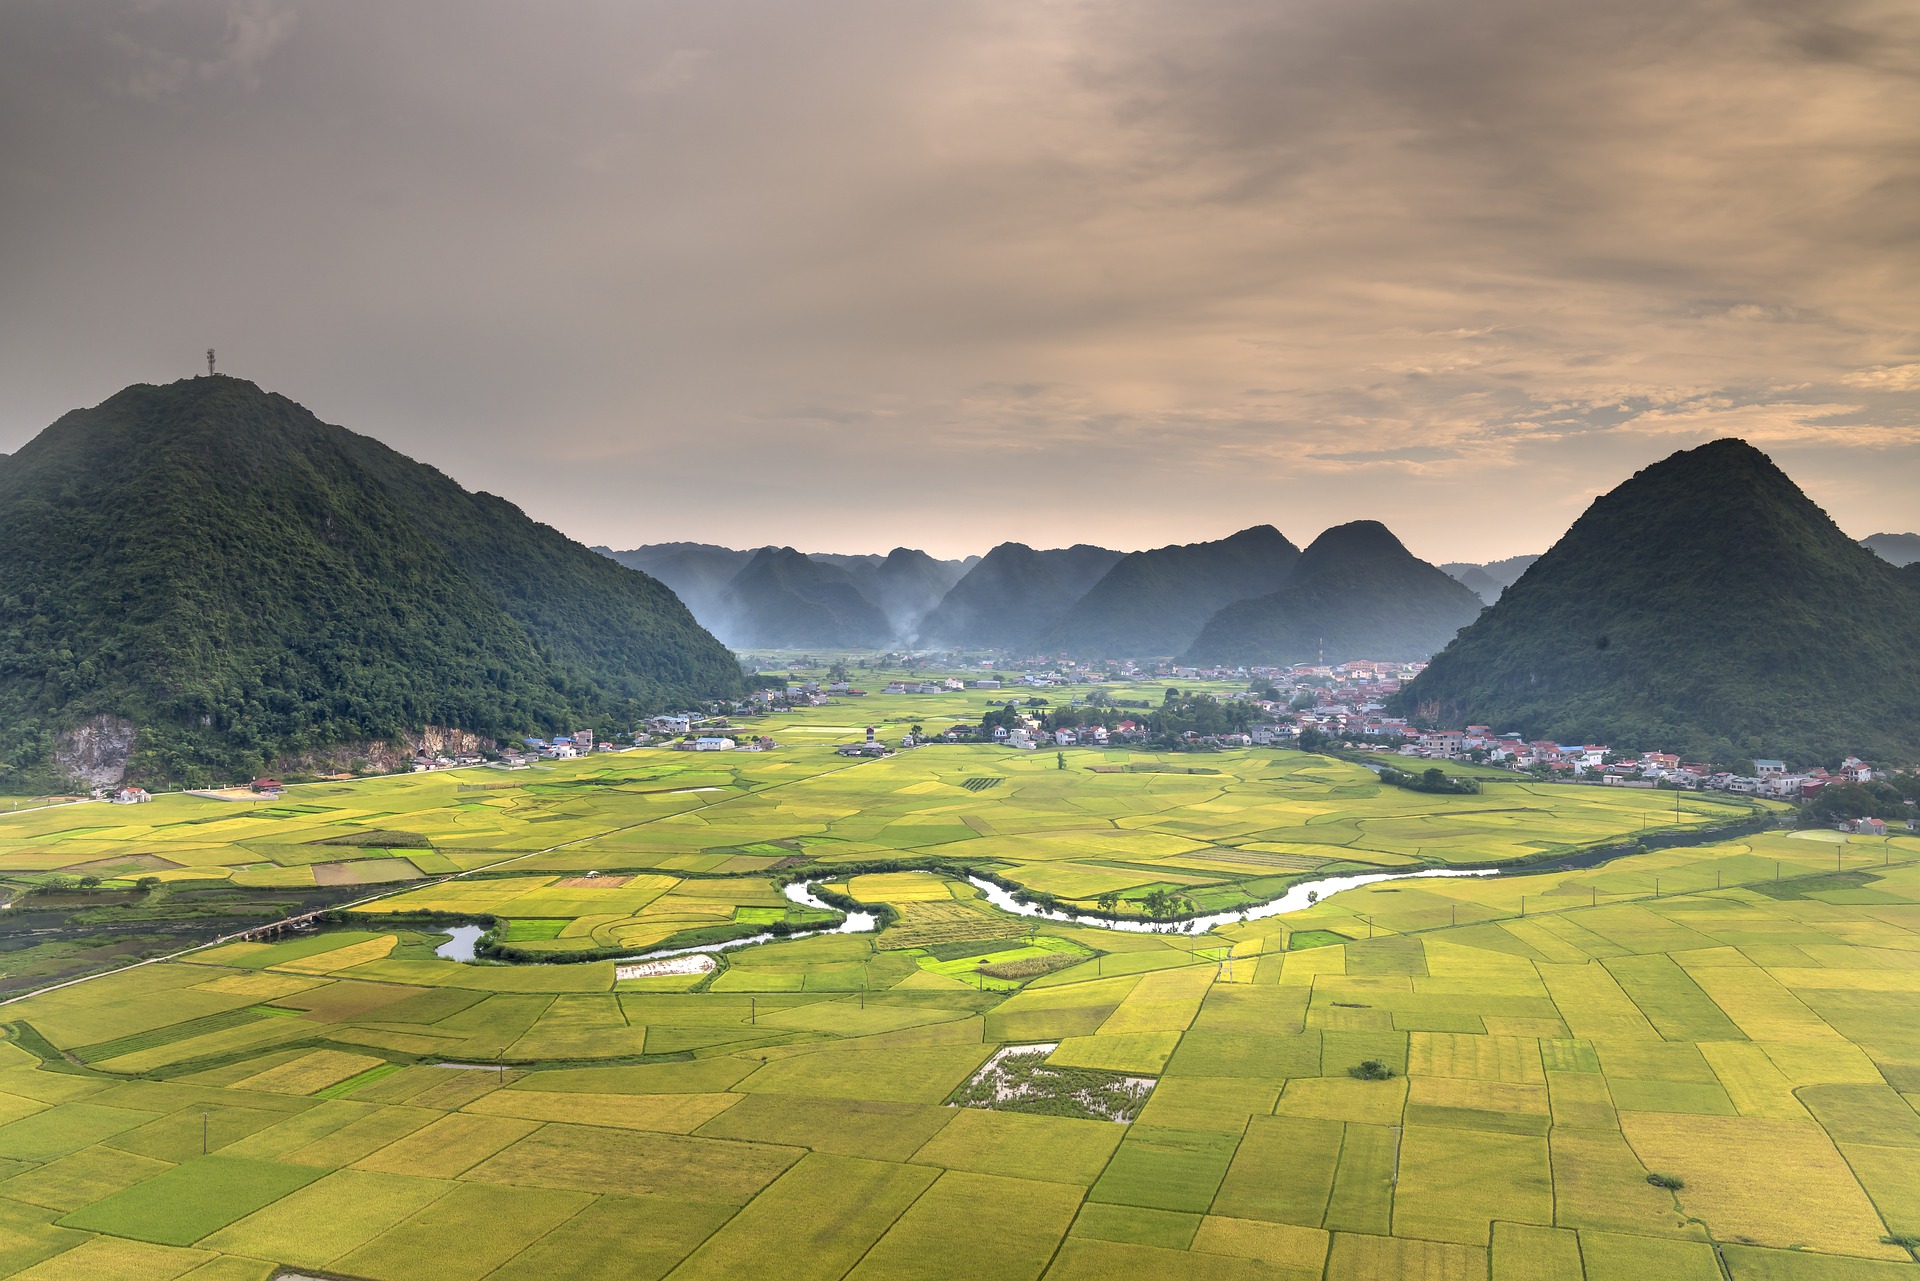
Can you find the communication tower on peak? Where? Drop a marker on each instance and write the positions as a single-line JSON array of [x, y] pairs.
[[209, 362]]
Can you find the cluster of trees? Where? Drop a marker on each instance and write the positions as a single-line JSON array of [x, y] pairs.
[[1430, 780], [1158, 905], [1892, 799]]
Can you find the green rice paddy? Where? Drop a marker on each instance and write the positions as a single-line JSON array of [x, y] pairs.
[[1737, 1016]]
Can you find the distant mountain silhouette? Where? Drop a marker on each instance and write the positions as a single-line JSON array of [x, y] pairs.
[[903, 585], [1489, 580], [698, 573], [784, 599], [1705, 606], [1356, 592], [1153, 603], [1014, 595], [1897, 549], [906, 585]]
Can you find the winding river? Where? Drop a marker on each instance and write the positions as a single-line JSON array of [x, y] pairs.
[[464, 937], [460, 947]]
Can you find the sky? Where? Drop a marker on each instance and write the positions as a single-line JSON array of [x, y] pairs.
[[854, 274]]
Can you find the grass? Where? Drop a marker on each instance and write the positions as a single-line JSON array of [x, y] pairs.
[[183, 1204]]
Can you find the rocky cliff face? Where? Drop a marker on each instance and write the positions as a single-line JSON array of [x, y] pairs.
[[94, 753], [381, 755]]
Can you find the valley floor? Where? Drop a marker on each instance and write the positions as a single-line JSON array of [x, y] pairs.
[[1700, 1062]]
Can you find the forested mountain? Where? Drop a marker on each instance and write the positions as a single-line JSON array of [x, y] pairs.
[[1706, 606], [1014, 595], [239, 580], [697, 572], [1356, 592], [1154, 603], [1896, 549], [785, 599]]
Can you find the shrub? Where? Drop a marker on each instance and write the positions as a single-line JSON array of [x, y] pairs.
[[1666, 1181], [1370, 1070]]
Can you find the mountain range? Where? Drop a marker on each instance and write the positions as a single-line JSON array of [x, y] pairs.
[[1355, 592], [782, 598], [1155, 602], [831, 602], [1245, 598], [199, 579], [1014, 596], [1706, 606]]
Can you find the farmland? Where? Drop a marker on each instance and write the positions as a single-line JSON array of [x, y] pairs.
[[1734, 1018]]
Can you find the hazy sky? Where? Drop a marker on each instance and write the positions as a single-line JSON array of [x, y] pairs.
[[847, 274]]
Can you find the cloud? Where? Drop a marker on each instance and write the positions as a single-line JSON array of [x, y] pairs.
[[251, 31], [1097, 269], [1886, 378]]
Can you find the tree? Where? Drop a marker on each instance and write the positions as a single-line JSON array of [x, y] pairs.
[[1059, 760], [837, 672], [1108, 902], [1434, 778]]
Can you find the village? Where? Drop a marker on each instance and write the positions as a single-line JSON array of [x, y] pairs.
[[1309, 705]]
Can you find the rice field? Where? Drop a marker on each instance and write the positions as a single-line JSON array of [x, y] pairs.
[[1444, 1078]]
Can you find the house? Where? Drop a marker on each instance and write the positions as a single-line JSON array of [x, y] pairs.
[[1065, 738], [560, 752], [705, 744], [131, 796], [1769, 769], [1870, 826], [983, 684], [267, 786]]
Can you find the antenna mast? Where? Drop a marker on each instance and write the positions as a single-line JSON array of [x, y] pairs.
[[209, 362]]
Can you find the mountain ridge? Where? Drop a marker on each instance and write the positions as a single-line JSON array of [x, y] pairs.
[[1355, 592], [1155, 602], [1013, 595]]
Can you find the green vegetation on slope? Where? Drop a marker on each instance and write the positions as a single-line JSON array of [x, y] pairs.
[[242, 581], [1706, 607]]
